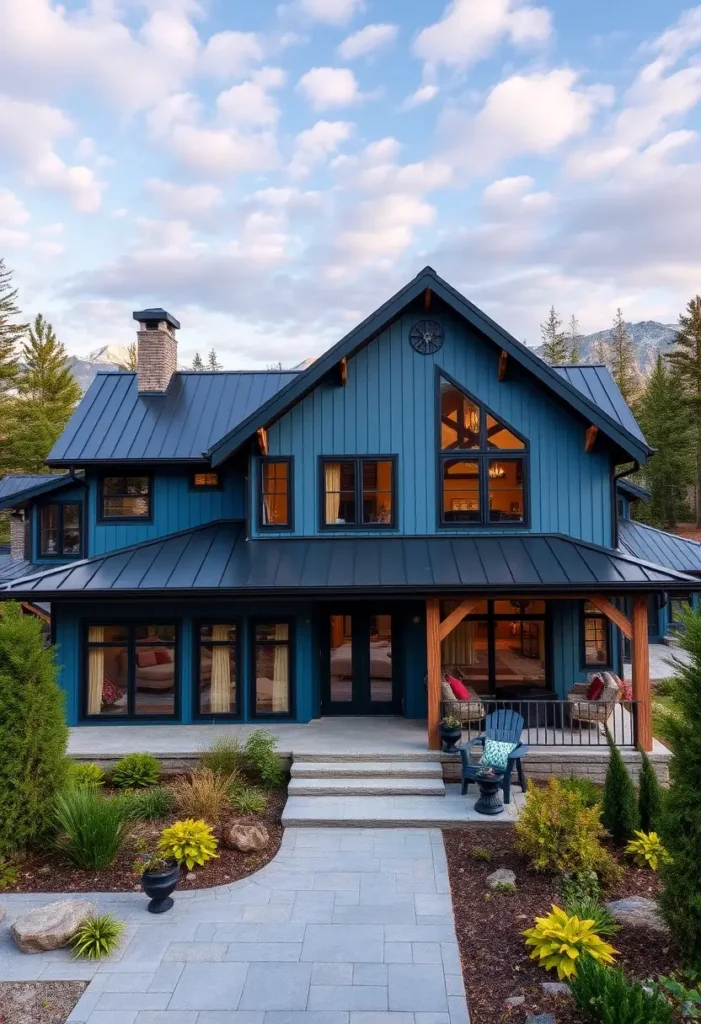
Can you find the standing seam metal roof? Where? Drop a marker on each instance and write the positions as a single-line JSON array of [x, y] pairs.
[[114, 422], [643, 541], [596, 383]]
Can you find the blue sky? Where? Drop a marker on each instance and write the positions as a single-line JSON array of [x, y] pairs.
[[271, 172]]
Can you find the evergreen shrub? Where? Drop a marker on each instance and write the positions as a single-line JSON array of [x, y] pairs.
[[605, 996], [649, 796], [136, 770], [619, 808], [90, 826]]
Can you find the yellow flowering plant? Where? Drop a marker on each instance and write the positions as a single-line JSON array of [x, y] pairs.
[[558, 940]]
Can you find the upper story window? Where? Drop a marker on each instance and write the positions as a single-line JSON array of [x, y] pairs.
[[206, 481], [275, 500], [358, 492], [60, 530], [126, 497], [478, 484]]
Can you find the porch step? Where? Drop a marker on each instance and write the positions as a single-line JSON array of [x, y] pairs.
[[387, 785], [306, 769], [450, 811]]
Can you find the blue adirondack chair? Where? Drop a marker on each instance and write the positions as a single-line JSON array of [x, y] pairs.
[[507, 727]]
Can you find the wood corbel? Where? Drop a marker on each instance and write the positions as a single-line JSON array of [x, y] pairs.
[[343, 372], [503, 360], [612, 613], [455, 618], [427, 300], [262, 439], [590, 438]]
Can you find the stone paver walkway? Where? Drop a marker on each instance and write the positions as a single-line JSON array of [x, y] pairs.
[[344, 926]]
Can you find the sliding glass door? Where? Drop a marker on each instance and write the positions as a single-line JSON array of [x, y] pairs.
[[359, 676]]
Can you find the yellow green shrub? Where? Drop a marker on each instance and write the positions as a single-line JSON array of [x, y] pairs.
[[188, 842], [558, 941], [647, 850]]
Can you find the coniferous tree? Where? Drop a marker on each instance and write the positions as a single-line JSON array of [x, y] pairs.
[[619, 808], [131, 360], [685, 361], [649, 796], [624, 369], [573, 339], [680, 824], [197, 363], [670, 471], [554, 340], [213, 362], [10, 331], [601, 352]]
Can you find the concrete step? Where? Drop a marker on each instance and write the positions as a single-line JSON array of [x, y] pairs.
[[453, 811], [304, 769], [370, 755], [386, 786]]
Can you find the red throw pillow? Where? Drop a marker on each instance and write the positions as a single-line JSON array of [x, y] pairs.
[[459, 689], [146, 659], [596, 688], [163, 657], [110, 693]]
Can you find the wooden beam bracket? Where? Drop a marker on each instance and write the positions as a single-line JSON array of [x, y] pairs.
[[503, 362], [590, 438], [343, 372], [262, 440], [455, 618], [427, 300], [613, 614]]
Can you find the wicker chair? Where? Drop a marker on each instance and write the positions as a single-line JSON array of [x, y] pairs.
[[593, 712], [468, 712]]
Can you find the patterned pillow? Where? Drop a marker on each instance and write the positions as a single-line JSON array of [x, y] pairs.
[[447, 694], [110, 693], [496, 753]]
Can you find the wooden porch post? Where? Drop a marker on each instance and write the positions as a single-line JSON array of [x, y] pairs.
[[433, 660], [640, 656]]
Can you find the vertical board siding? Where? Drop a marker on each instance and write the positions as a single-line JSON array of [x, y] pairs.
[[388, 407], [175, 507]]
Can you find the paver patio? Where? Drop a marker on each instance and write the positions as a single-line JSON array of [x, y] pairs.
[[344, 926]]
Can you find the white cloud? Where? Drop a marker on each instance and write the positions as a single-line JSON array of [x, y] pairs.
[[376, 169], [47, 251], [379, 231], [231, 54], [13, 212], [251, 103], [28, 132], [469, 30], [424, 94], [181, 108], [329, 87], [331, 12], [223, 151], [316, 144], [367, 40], [184, 201]]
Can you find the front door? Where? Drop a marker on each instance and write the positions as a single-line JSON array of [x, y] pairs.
[[359, 677]]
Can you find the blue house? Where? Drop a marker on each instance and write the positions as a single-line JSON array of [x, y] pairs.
[[279, 546]]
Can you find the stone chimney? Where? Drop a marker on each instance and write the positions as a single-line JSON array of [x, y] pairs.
[[18, 535], [157, 352]]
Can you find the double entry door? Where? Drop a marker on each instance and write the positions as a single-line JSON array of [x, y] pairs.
[[359, 670]]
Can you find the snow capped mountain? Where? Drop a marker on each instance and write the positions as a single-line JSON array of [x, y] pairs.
[[649, 338], [109, 357]]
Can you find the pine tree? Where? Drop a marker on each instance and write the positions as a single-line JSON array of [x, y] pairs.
[[624, 369], [213, 363], [601, 352], [670, 471], [131, 360], [573, 337], [619, 809], [680, 825], [685, 361], [197, 363], [33, 733], [649, 796], [554, 340], [10, 332]]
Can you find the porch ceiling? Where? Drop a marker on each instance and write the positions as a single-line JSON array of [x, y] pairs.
[[218, 557]]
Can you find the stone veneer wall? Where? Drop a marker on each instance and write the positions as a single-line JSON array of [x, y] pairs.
[[542, 762], [18, 533], [157, 357]]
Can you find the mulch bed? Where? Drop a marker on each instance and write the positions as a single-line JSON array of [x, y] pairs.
[[495, 960], [38, 1002], [50, 871]]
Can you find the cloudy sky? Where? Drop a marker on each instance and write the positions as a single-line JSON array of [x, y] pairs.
[[271, 172]]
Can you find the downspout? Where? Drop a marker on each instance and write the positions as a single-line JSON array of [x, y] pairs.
[[614, 499], [76, 479]]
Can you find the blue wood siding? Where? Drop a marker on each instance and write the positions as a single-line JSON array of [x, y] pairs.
[[388, 407], [175, 507]]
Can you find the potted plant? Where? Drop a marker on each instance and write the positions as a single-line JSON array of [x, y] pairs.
[[451, 733], [159, 877]]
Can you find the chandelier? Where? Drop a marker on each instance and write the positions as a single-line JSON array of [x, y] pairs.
[[496, 471]]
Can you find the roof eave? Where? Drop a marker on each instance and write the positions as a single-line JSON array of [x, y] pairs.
[[21, 497]]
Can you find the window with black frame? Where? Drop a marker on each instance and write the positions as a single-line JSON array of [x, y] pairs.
[[478, 484], [358, 492], [125, 497], [596, 635], [217, 666], [60, 533], [272, 666], [275, 498], [131, 671]]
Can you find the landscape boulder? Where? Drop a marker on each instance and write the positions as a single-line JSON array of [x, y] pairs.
[[638, 912], [247, 838], [51, 926], [502, 876]]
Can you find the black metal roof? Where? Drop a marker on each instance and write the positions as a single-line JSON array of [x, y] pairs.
[[218, 558], [20, 487], [633, 491], [643, 541], [597, 384], [607, 417], [115, 422], [15, 568]]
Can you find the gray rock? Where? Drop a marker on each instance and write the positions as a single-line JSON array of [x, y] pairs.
[[51, 926], [247, 838], [541, 1018], [190, 876], [555, 988], [638, 912], [500, 876], [515, 1001]]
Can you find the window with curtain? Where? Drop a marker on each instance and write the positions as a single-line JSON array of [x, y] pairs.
[[477, 486], [131, 671], [358, 492], [218, 693], [275, 493], [272, 669], [597, 637], [125, 497], [60, 530]]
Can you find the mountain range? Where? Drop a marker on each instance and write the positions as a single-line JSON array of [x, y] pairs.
[[649, 338]]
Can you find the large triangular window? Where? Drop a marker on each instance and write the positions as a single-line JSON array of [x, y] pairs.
[[476, 486]]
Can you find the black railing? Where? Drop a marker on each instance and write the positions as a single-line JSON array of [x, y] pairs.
[[554, 723]]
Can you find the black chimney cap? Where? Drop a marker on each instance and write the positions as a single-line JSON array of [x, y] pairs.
[[150, 315]]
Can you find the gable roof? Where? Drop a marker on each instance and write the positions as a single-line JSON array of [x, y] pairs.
[[595, 381], [644, 541], [219, 558], [114, 422], [632, 491], [632, 443], [20, 487]]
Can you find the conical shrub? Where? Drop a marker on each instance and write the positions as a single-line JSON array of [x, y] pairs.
[[649, 797], [619, 808]]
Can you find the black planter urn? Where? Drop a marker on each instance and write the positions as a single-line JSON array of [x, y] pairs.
[[451, 736], [158, 885]]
